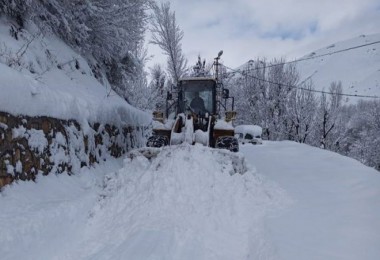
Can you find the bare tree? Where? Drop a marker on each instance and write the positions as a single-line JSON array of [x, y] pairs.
[[167, 35]]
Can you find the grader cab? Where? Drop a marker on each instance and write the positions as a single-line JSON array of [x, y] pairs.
[[199, 114]]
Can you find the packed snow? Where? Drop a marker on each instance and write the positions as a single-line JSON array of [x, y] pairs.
[[294, 202]]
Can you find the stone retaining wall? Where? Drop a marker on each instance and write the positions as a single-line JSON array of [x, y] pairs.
[[43, 145]]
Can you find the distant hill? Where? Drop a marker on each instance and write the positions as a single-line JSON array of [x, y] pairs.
[[358, 69]]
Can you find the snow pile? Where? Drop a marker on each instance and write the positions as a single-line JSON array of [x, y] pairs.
[[51, 79], [183, 205]]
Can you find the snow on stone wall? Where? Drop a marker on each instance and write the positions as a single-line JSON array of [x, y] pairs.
[[43, 145]]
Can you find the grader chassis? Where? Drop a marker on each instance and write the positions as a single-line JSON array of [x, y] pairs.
[[205, 124]]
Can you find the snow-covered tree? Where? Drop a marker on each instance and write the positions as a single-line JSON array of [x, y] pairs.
[[250, 93], [157, 87], [200, 69], [362, 138], [263, 91], [109, 33], [18, 9], [268, 95], [327, 117], [302, 108], [281, 81], [167, 35], [117, 27]]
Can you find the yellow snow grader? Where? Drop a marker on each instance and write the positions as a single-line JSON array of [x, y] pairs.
[[199, 114]]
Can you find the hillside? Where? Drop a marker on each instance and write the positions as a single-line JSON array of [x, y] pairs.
[[40, 75], [294, 202], [358, 69]]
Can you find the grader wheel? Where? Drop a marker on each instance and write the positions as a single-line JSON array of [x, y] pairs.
[[157, 141], [227, 142]]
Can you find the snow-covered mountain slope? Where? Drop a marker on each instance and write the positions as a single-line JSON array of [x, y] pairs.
[[300, 203], [358, 69], [40, 75]]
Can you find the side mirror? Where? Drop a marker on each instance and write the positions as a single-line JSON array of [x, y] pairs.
[[230, 116], [225, 93], [169, 96]]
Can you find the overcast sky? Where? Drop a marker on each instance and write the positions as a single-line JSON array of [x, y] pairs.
[[248, 29]]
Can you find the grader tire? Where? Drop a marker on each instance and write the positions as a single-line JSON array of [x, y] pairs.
[[157, 141], [227, 142]]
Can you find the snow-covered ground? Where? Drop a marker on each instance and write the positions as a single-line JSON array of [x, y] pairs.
[[336, 209], [299, 203]]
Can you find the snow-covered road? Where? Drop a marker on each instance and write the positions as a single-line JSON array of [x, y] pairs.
[[299, 203], [183, 205]]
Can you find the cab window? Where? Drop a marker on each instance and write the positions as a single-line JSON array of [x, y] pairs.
[[248, 136]]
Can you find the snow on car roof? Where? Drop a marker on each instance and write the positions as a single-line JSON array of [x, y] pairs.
[[197, 78], [254, 130]]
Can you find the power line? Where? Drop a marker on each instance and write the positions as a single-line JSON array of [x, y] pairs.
[[315, 57], [302, 88]]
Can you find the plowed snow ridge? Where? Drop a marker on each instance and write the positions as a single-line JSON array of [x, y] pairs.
[[182, 205]]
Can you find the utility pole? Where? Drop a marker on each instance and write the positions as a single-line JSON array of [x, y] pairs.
[[216, 63], [218, 90]]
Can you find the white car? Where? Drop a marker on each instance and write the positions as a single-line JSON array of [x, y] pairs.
[[249, 134]]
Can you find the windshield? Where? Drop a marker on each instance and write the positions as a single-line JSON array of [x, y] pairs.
[[198, 96]]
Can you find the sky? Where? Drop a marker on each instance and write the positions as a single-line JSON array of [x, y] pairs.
[[250, 29]]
